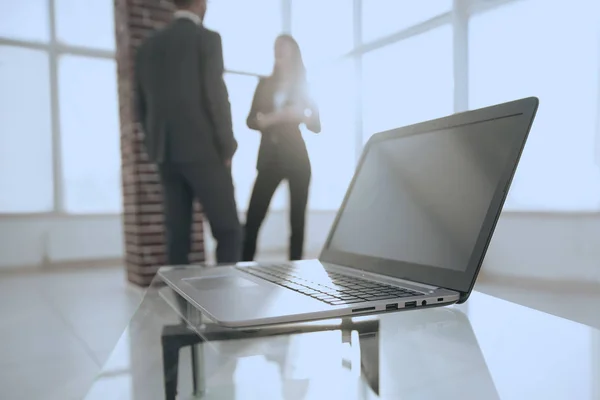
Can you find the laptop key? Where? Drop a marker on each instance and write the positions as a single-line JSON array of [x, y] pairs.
[[370, 285], [353, 287], [296, 287], [372, 292], [347, 297], [309, 292]]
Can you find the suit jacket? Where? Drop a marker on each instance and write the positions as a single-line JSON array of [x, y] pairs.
[[181, 98], [282, 145]]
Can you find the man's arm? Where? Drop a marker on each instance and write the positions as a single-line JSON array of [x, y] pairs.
[[216, 95]]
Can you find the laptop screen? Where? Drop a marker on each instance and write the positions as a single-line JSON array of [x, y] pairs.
[[422, 199]]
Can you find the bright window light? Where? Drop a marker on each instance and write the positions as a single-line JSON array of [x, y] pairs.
[[547, 49]]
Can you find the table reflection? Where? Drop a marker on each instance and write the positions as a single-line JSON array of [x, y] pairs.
[[493, 350]]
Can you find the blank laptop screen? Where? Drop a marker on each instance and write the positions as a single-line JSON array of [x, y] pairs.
[[422, 199]]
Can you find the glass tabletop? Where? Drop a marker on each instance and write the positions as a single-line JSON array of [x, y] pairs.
[[485, 349]]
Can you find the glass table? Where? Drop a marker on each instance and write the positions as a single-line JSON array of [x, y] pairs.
[[483, 350]]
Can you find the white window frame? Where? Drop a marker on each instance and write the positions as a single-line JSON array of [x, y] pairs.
[[458, 17], [54, 48]]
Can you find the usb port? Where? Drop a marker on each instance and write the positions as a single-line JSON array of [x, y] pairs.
[[410, 304], [392, 306]]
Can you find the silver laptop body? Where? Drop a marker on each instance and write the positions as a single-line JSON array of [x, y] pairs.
[[412, 230]]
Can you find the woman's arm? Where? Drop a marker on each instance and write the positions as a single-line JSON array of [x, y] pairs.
[[313, 119], [257, 120], [254, 116]]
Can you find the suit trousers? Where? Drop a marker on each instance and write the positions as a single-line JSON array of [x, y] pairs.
[[212, 186], [265, 185]]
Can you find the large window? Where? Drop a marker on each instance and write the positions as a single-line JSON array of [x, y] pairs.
[[241, 90], [373, 65], [386, 17], [514, 49], [25, 131], [332, 84], [25, 20], [408, 81], [248, 30], [90, 140], [75, 27], [324, 30], [248, 53], [547, 49], [333, 151], [59, 131]]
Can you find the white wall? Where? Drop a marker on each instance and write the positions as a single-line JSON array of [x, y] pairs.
[[550, 246], [33, 241]]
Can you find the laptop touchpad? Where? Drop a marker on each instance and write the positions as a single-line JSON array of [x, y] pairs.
[[219, 282]]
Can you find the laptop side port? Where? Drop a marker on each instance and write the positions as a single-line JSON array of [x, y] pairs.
[[363, 309], [391, 306], [410, 304]]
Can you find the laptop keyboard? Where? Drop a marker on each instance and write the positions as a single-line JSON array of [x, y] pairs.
[[329, 287]]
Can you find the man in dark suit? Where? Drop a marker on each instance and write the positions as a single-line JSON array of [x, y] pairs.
[[183, 105]]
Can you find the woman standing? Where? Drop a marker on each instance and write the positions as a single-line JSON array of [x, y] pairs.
[[281, 103]]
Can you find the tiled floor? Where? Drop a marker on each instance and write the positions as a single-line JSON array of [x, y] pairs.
[[57, 329]]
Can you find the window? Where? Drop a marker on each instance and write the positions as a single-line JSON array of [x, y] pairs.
[[90, 135], [324, 29], [25, 20], [241, 90], [557, 62], [248, 30], [333, 151], [385, 17], [25, 131], [59, 126], [409, 81], [75, 27]]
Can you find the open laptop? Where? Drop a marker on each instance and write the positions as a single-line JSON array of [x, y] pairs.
[[412, 230]]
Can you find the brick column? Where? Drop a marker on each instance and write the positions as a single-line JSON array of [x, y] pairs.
[[142, 197]]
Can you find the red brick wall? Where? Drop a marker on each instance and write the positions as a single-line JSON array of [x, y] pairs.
[[143, 220]]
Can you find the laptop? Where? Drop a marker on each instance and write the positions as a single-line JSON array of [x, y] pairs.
[[411, 232]]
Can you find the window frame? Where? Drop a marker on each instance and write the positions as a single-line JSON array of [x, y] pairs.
[[469, 8], [458, 17], [55, 49]]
